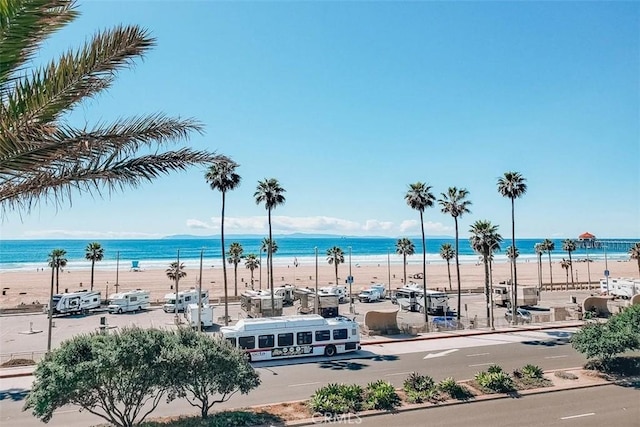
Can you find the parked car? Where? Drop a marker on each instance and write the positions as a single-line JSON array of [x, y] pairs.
[[446, 322], [523, 315]]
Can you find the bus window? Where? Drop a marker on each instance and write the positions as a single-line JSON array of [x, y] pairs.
[[265, 341], [232, 341], [285, 340], [339, 334], [304, 338], [323, 335], [247, 342]]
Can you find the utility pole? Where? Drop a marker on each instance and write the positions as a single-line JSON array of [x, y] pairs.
[[317, 296], [200, 293]]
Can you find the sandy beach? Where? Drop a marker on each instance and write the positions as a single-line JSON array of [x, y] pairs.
[[28, 287]]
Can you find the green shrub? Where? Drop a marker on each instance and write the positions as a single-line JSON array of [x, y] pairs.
[[532, 372], [453, 389], [337, 399], [381, 395], [494, 369], [499, 382], [417, 382]]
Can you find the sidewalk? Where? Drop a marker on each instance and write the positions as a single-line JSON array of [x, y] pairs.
[[23, 371]]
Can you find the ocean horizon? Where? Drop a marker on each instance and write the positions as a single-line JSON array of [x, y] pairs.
[[16, 255]]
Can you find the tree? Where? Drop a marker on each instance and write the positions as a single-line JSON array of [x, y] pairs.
[[251, 262], [93, 252], [271, 194], [335, 256], [222, 177], [453, 202], [512, 185], [405, 247], [634, 253], [512, 253], [539, 248], [120, 377], [569, 245], [46, 157], [549, 247], [485, 240], [57, 261], [603, 341], [175, 272], [211, 367], [447, 253], [566, 265], [264, 247], [235, 256], [420, 197]]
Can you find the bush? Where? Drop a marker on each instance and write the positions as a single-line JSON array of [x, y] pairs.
[[381, 395], [337, 399], [532, 372], [417, 382], [498, 382], [453, 389], [494, 369]]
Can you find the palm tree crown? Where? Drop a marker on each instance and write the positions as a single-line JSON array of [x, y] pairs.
[[251, 262], [95, 253], [335, 256], [235, 256], [634, 253], [222, 175], [405, 247], [485, 240], [570, 246], [175, 272], [56, 261], [46, 157]]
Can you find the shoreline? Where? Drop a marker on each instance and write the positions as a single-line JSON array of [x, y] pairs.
[[29, 287]]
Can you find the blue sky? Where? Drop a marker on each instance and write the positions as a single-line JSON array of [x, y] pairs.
[[346, 103]]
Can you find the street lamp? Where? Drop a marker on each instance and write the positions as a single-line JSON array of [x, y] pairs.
[[317, 297], [350, 280]]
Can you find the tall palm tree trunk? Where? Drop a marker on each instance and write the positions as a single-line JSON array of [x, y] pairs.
[[235, 279], [424, 270], [336, 265], [224, 265], [550, 272], [404, 265], [515, 273], [93, 264], [540, 272], [571, 267], [457, 271], [271, 262], [57, 279], [449, 273], [487, 291]]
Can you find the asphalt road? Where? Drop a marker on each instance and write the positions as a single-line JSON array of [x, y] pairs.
[[459, 357], [594, 407]]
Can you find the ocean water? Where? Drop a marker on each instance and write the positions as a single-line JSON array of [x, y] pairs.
[[159, 253]]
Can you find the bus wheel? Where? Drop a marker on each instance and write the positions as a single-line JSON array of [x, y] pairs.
[[330, 351]]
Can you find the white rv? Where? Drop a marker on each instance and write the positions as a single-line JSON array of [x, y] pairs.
[[123, 302], [258, 304], [620, 287], [411, 297], [75, 302], [527, 295], [184, 298], [206, 315], [340, 290]]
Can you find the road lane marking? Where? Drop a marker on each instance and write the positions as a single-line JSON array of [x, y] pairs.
[[440, 354], [477, 354], [481, 364], [303, 384], [398, 373], [578, 416], [555, 357]]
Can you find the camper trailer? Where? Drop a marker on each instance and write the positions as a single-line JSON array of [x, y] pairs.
[[527, 295], [327, 303], [411, 298], [123, 302], [206, 315], [258, 304], [620, 287], [184, 298], [287, 294], [341, 292], [75, 302]]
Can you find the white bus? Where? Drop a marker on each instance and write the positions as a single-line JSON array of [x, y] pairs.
[[270, 338]]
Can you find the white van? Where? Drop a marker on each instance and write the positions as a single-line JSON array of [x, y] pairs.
[[206, 315], [184, 298], [123, 302]]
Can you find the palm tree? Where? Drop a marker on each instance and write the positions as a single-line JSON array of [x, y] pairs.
[[569, 245], [175, 272], [222, 177], [566, 264], [453, 202], [335, 256], [539, 248], [405, 247], [264, 247], [271, 194], [634, 253], [46, 157], [420, 197], [447, 253], [235, 256], [56, 261], [485, 240], [512, 185], [93, 252], [512, 253], [549, 247], [251, 262]]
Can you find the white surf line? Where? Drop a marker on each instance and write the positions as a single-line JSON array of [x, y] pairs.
[[398, 373], [578, 416], [481, 364], [555, 357], [477, 354], [303, 384]]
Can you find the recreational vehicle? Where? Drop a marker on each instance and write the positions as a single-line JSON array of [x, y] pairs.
[[293, 336], [620, 287], [123, 302], [528, 296], [75, 302], [340, 290], [327, 304], [411, 298], [206, 315], [258, 304], [184, 298]]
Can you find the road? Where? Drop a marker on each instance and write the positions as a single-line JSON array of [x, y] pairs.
[[459, 357], [594, 407]]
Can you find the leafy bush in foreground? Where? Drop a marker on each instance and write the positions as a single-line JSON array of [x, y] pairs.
[[337, 399], [453, 389], [381, 395], [498, 381]]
